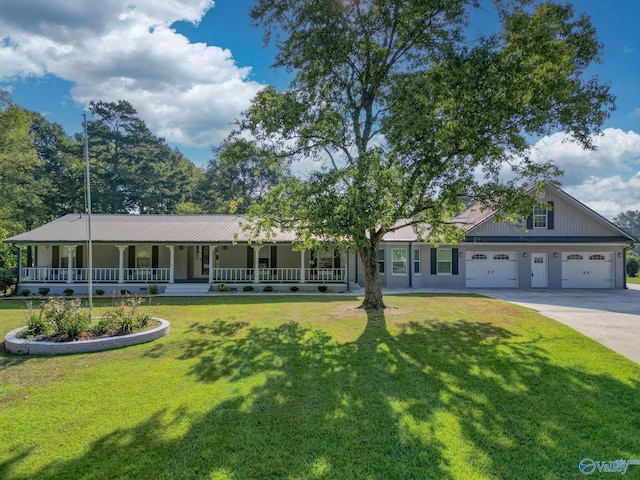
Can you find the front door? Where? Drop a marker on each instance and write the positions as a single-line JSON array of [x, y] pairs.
[[539, 270]]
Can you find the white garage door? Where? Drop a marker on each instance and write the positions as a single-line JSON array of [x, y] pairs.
[[587, 270], [491, 270]]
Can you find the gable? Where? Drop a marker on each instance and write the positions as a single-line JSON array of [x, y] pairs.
[[571, 219]]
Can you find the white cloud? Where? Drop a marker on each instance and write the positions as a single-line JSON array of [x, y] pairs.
[[114, 49], [609, 196], [617, 152]]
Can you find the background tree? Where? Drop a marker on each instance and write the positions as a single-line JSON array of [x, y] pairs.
[[133, 170], [413, 117], [63, 165], [239, 176], [21, 179]]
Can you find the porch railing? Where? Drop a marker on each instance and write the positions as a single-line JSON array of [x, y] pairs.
[[106, 275], [163, 275]]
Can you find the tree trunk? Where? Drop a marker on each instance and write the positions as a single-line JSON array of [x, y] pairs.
[[373, 286]]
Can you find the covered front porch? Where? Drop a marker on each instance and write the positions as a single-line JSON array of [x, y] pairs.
[[139, 265]]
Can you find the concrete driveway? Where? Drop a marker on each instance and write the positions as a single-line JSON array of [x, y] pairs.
[[611, 317]]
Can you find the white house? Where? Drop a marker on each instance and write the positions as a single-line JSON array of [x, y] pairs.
[[566, 245]]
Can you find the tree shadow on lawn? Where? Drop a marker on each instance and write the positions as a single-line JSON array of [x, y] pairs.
[[437, 400]]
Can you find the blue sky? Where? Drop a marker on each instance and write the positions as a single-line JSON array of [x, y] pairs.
[[190, 66]]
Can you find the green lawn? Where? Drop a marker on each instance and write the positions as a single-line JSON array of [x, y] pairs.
[[633, 279], [293, 387]]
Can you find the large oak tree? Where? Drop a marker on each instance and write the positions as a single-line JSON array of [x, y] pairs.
[[415, 117]]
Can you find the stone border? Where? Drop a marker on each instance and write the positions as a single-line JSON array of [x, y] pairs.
[[20, 346]]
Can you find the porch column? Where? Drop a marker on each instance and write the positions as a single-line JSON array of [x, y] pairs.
[[121, 249], [70, 251], [212, 261], [172, 262], [302, 280], [20, 247], [256, 261]]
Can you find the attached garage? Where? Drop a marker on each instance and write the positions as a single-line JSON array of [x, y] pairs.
[[587, 270], [491, 270]]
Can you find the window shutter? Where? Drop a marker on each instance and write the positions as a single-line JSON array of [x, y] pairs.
[[132, 256], [550, 216], [336, 259], [154, 256], [454, 261], [79, 256], [249, 257], [529, 222], [434, 261], [274, 256], [55, 256]]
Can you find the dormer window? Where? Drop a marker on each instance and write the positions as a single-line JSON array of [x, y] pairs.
[[540, 217]]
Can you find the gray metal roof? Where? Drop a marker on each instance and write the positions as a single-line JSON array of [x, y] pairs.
[[143, 229]]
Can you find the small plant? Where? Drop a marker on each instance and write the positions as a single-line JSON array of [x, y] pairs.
[[268, 288], [293, 289], [322, 288], [99, 291], [153, 289], [247, 288], [222, 287], [35, 322], [68, 291], [25, 292], [125, 292], [44, 291]]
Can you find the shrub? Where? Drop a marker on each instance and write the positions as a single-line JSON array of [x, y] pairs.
[[153, 289], [7, 280], [268, 288], [125, 317], [222, 287], [633, 266], [294, 288], [64, 317], [125, 292], [68, 291], [44, 291], [99, 291], [322, 288], [25, 292], [247, 288]]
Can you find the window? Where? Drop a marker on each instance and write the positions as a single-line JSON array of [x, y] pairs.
[[143, 256], [325, 259], [478, 256], [416, 262], [574, 257], [444, 261], [501, 256], [381, 260], [539, 217], [399, 261], [596, 257]]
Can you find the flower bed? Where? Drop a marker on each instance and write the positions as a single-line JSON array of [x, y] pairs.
[[15, 344]]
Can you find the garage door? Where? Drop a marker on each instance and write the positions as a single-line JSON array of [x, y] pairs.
[[491, 270], [587, 270]]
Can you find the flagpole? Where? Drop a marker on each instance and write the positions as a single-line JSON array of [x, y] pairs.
[[88, 205]]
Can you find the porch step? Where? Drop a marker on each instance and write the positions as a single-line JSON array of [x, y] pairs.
[[186, 288]]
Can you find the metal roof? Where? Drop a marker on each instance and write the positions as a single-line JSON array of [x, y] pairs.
[[144, 229]]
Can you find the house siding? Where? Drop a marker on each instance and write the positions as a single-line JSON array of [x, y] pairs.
[[569, 221]]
